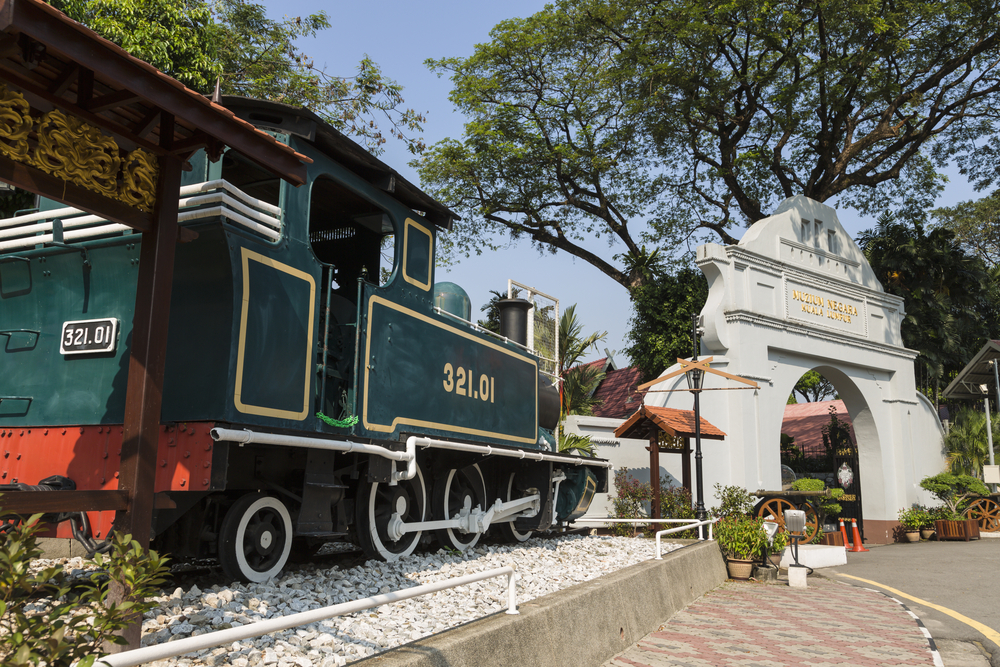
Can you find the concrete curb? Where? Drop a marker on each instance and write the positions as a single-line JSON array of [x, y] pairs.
[[584, 625]]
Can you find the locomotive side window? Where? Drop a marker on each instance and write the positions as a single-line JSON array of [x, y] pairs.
[[417, 247], [250, 178], [346, 232]]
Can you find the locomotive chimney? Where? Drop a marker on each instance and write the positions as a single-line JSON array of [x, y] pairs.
[[514, 319]]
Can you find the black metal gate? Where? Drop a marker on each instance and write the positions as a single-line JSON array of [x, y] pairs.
[[843, 454]]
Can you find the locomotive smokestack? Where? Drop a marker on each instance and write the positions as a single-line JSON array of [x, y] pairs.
[[514, 319]]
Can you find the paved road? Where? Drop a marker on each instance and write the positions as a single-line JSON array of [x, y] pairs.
[[963, 577], [828, 624]]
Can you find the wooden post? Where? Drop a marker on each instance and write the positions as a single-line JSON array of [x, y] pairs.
[[144, 393], [654, 476]]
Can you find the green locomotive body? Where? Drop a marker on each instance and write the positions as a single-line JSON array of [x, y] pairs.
[[277, 320]]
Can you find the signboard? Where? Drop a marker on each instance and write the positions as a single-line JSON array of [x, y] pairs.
[[824, 308], [89, 336]]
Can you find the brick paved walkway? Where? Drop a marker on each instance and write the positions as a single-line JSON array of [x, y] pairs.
[[828, 624]]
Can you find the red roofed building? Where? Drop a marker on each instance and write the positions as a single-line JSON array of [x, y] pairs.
[[805, 422]]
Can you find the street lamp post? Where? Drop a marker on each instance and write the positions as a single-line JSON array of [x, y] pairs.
[[695, 378]]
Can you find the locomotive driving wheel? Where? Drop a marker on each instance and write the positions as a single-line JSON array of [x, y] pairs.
[[773, 509], [255, 538], [986, 512], [376, 505], [507, 531], [457, 494]]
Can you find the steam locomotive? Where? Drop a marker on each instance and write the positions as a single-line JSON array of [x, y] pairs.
[[303, 402]]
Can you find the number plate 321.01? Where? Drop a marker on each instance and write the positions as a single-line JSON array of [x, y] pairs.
[[89, 336]]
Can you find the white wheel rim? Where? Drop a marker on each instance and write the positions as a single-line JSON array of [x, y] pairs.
[[373, 529], [519, 536], [452, 537], [241, 560]]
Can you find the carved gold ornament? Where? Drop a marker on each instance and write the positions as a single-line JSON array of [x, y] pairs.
[[15, 124], [139, 171], [75, 151]]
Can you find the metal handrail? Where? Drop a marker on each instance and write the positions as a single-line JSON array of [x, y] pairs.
[[688, 524], [211, 639], [698, 525]]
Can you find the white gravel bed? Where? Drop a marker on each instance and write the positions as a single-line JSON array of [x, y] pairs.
[[544, 565]]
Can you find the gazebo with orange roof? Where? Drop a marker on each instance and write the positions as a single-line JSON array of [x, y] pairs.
[[678, 427]]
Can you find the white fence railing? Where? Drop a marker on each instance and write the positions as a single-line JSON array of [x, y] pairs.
[[687, 524], [212, 639], [211, 199]]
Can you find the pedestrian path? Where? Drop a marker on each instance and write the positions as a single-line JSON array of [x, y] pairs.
[[828, 624]]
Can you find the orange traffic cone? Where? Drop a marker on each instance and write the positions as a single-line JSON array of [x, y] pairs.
[[843, 532], [857, 538]]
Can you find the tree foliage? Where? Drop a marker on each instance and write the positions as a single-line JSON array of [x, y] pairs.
[[814, 388], [976, 225], [593, 118], [967, 442], [662, 307], [233, 41], [947, 293]]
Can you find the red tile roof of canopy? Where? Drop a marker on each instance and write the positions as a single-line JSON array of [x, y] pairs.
[[674, 422], [805, 421]]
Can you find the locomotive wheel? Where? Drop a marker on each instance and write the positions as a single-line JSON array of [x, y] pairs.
[[374, 507], [507, 531], [773, 509], [460, 491], [255, 538], [986, 512]]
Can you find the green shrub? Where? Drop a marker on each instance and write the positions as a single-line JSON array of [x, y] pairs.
[[734, 501], [954, 490], [911, 518], [826, 506], [740, 536], [629, 503], [45, 618]]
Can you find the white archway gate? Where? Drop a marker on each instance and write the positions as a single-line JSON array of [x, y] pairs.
[[797, 294]]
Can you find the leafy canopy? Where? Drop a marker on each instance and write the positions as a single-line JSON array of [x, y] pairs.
[[632, 121], [233, 41], [946, 292]]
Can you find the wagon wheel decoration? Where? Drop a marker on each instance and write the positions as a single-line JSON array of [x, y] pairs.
[[773, 509], [986, 512]]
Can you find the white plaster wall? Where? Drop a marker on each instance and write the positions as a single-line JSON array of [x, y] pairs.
[[762, 323], [621, 452]]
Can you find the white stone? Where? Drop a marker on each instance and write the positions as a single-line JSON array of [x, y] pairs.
[[797, 577]]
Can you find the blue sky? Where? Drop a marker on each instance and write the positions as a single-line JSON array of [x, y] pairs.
[[400, 36]]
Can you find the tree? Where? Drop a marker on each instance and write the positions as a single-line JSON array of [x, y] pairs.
[[946, 293], [593, 117], [233, 41], [660, 329], [572, 343], [967, 442], [953, 490], [976, 225], [578, 386], [813, 387]]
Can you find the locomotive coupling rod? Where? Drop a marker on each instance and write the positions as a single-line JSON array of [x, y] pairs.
[[468, 520]]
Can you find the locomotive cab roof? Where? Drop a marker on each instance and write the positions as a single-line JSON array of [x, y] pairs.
[[303, 123]]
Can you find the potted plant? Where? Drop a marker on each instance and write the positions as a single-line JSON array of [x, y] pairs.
[[926, 524], [741, 539], [911, 520], [953, 490], [778, 545]]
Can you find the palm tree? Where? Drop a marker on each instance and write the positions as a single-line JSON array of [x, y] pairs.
[[966, 442], [578, 388], [572, 343]]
